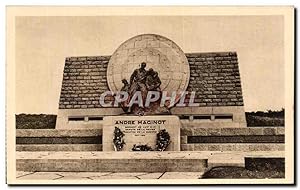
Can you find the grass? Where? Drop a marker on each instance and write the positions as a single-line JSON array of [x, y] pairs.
[[269, 118], [241, 173], [255, 168], [35, 121], [264, 121]]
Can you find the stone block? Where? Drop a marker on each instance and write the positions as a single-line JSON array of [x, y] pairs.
[[140, 44], [280, 130], [213, 131], [269, 131], [183, 139], [281, 147], [260, 147], [152, 43], [59, 147], [242, 147], [141, 131], [228, 147], [200, 131], [73, 59], [214, 147], [255, 131], [234, 131], [186, 131], [187, 147], [200, 147]]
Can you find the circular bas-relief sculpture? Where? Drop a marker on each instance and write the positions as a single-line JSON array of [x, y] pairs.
[[152, 56]]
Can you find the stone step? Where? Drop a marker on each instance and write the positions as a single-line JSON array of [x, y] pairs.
[[195, 129], [134, 161], [59, 147], [237, 158], [110, 162], [233, 147]]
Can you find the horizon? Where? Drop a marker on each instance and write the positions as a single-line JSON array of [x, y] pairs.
[[154, 115]]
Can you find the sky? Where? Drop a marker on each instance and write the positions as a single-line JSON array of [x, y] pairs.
[[43, 43]]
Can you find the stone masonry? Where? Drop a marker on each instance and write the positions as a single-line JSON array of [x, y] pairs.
[[83, 81], [214, 76], [216, 79]]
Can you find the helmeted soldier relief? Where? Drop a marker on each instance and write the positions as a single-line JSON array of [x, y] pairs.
[[138, 81], [143, 81], [153, 81]]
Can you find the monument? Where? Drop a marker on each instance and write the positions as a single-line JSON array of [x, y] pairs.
[[184, 111], [213, 77], [149, 78], [153, 107]]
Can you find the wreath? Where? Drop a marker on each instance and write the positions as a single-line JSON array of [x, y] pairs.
[[118, 139], [141, 148], [162, 140]]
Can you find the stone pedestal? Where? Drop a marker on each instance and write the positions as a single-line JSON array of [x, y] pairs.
[[141, 130]]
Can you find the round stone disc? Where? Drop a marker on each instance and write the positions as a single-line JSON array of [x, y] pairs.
[[160, 53]]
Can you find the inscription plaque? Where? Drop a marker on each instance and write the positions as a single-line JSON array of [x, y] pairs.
[[141, 130]]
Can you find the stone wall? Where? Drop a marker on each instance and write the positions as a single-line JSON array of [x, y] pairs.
[[58, 140], [216, 79], [191, 139], [232, 139], [84, 79], [214, 76]]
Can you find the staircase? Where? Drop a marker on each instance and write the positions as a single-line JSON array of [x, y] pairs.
[[51, 150], [134, 161]]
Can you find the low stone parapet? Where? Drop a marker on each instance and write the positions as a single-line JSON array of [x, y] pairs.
[[232, 139], [191, 139], [58, 140]]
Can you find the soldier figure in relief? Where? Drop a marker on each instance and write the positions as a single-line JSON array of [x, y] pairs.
[[153, 82], [142, 81], [138, 81]]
